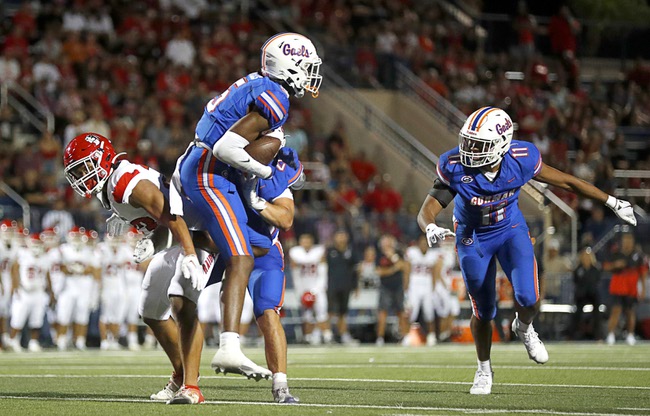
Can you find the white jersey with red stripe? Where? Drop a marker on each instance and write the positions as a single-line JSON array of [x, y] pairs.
[[447, 255], [119, 187], [77, 258], [310, 272], [421, 267], [32, 271], [114, 261]]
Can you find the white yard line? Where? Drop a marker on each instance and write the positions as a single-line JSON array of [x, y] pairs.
[[326, 406], [318, 379]]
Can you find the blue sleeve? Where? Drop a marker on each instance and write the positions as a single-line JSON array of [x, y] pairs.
[[283, 177], [442, 171], [273, 103], [529, 158]]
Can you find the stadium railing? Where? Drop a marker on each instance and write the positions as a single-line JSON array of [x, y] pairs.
[[13, 195], [27, 106]]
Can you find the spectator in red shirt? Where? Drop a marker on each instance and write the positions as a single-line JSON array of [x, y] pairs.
[[383, 198], [345, 197], [362, 168]]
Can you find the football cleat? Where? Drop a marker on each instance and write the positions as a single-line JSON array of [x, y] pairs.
[[282, 395], [34, 346], [611, 339], [14, 343], [630, 340], [234, 361], [534, 346], [187, 395], [431, 339], [168, 392], [482, 383]]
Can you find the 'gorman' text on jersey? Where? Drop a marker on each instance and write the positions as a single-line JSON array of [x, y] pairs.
[[252, 91], [484, 205]]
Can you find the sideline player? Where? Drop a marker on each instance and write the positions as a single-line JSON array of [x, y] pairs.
[[309, 271], [30, 289], [139, 195], [483, 176], [8, 229], [251, 107], [424, 267]]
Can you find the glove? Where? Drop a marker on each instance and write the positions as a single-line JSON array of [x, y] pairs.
[[115, 225], [288, 156], [622, 209], [435, 234], [193, 271], [250, 193], [144, 249]]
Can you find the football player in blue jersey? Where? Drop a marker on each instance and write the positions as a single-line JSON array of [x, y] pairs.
[[483, 176], [254, 106], [270, 207]]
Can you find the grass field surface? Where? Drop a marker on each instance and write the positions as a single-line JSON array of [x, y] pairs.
[[580, 379]]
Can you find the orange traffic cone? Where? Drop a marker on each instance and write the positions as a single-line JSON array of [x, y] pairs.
[[414, 338]]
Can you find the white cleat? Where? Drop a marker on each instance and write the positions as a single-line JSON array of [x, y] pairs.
[[611, 339], [187, 395], [431, 339], [14, 343], [482, 383], [630, 340], [534, 346], [234, 361], [282, 395], [34, 346], [168, 392]]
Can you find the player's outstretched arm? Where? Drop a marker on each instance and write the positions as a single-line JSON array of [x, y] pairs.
[[623, 209], [230, 147]]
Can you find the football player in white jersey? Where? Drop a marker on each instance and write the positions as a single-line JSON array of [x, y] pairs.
[[8, 229], [309, 272], [424, 267], [133, 276], [139, 196], [81, 268], [445, 298], [52, 240], [30, 289], [114, 258]]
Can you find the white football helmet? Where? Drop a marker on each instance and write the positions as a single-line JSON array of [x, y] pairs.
[[292, 58], [485, 137]]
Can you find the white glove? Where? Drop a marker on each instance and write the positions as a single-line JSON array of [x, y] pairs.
[[622, 209], [250, 193], [115, 225], [144, 249], [435, 234], [193, 271]]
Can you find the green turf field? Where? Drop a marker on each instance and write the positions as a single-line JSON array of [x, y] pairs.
[[580, 379]]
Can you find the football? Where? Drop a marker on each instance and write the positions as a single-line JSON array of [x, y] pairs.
[[264, 149]]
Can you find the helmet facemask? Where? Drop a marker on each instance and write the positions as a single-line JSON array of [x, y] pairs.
[[477, 152], [87, 176]]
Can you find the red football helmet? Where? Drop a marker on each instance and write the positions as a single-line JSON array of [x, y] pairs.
[[77, 236], [8, 229], [50, 237], [308, 299], [35, 244], [88, 161]]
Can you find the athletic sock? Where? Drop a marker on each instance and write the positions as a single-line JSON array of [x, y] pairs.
[[485, 366], [229, 340]]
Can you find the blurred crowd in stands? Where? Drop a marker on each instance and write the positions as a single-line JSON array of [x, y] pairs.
[[141, 72]]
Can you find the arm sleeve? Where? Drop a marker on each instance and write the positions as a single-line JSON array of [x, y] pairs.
[[441, 192], [230, 149]]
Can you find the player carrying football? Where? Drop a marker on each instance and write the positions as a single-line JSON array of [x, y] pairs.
[[253, 106], [483, 176]]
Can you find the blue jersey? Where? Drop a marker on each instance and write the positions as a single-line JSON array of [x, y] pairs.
[[254, 91], [283, 177], [483, 205]]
